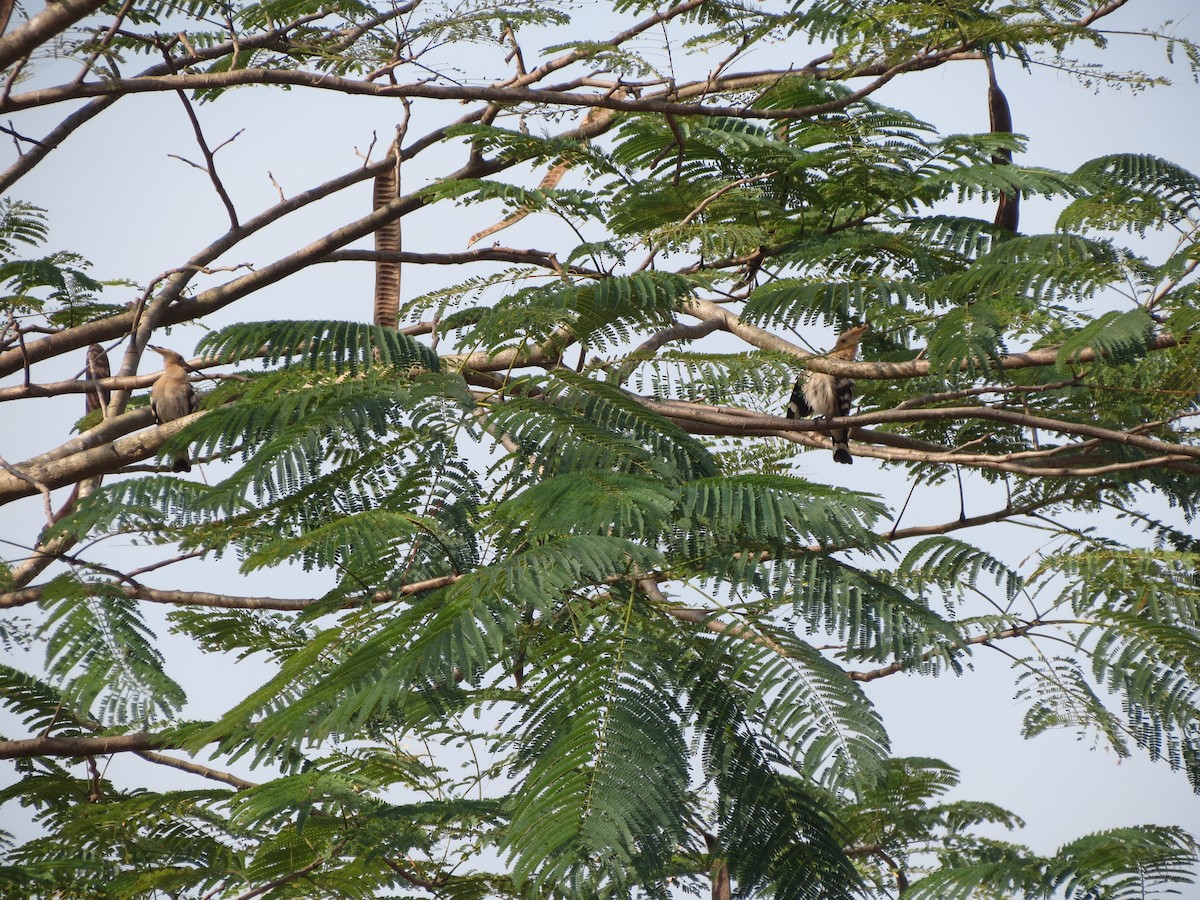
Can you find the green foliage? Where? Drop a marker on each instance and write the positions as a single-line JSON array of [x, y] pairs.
[[574, 626], [602, 803], [101, 652], [1133, 192], [21, 223], [1115, 337], [955, 567], [339, 346], [57, 285], [600, 313]]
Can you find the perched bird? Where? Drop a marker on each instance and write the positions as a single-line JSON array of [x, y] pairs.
[[97, 367], [172, 397], [1008, 210], [821, 396]]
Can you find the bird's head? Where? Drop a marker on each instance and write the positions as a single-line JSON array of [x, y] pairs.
[[169, 356], [851, 337]]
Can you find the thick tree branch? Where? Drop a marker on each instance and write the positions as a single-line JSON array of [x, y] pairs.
[[1102, 11], [84, 746], [878, 371], [53, 20], [504, 94], [734, 421], [96, 461]]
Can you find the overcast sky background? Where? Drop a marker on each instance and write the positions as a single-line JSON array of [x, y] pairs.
[[116, 197]]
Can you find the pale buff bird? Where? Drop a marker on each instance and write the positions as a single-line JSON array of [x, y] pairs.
[[172, 397]]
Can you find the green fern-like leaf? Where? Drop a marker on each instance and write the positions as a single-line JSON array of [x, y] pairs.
[[1133, 191], [814, 714], [606, 769], [100, 649], [1115, 337], [340, 346], [1126, 863], [954, 565], [968, 339]]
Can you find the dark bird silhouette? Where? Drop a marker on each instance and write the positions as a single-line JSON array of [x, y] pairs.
[[1008, 210], [97, 367], [821, 396], [172, 397]]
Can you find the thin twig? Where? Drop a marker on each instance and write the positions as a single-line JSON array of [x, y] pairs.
[[45, 491]]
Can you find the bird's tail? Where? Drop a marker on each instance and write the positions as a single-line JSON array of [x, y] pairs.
[[841, 447]]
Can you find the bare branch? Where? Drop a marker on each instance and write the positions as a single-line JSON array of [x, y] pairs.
[[228, 601], [196, 769], [72, 122], [83, 746], [97, 461], [210, 166], [37, 485], [507, 94], [893, 668], [879, 371], [52, 20]]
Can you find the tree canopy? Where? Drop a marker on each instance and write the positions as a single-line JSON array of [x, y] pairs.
[[567, 607]]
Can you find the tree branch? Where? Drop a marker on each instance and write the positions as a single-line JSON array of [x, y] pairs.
[[229, 601], [898, 666], [84, 746], [96, 461], [879, 371], [741, 422], [54, 19], [206, 81], [184, 765]]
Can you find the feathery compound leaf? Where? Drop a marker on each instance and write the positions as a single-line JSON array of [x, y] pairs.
[[1134, 191], [773, 827], [1155, 667], [459, 631], [21, 223], [597, 311], [581, 425], [772, 511], [1115, 337], [39, 704], [602, 803], [806, 302], [954, 566], [596, 502], [99, 647], [542, 575], [874, 619], [1126, 863], [992, 180], [341, 346], [1061, 697], [966, 340], [815, 715], [1023, 273]]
